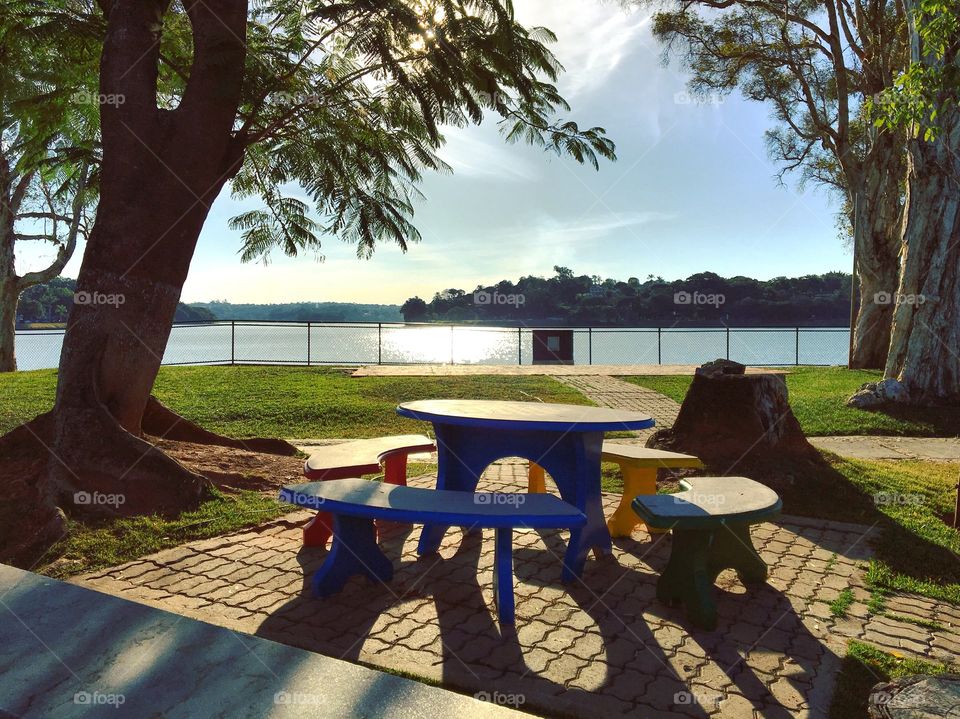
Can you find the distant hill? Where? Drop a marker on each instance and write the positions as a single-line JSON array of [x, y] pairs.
[[704, 299], [303, 311], [51, 301]]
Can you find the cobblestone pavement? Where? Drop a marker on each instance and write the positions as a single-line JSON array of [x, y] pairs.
[[600, 647], [616, 393]]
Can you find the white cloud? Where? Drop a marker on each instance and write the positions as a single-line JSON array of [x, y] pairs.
[[592, 38], [471, 156]]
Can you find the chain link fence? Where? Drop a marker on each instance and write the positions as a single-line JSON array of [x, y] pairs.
[[326, 343]]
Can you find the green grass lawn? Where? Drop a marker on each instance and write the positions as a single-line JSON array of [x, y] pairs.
[[865, 666], [94, 545], [817, 396], [290, 402]]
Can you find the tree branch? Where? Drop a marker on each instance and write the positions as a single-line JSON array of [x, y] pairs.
[[66, 250]]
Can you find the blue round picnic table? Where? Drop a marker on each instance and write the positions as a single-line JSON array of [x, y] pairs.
[[566, 440]]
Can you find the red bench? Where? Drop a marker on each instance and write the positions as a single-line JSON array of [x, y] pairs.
[[352, 459]]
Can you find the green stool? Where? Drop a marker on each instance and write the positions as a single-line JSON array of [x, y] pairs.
[[711, 522]]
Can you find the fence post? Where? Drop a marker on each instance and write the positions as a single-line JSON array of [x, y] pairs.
[[659, 346], [233, 341], [451, 344], [308, 343], [589, 345], [728, 342], [519, 345], [798, 347], [379, 342]]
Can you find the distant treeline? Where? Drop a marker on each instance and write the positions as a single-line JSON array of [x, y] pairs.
[[703, 299], [51, 302], [303, 311]]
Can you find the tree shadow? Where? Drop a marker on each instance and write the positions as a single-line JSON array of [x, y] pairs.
[[938, 420], [69, 651]]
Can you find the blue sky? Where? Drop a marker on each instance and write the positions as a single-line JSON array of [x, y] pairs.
[[693, 190]]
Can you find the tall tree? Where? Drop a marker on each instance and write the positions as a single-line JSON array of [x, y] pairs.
[[345, 99], [814, 64], [48, 125], [925, 343]]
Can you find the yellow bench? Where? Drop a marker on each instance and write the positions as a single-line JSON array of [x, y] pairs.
[[639, 467]]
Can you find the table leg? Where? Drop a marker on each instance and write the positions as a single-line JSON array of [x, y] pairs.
[[503, 574], [462, 455], [354, 551], [574, 463], [572, 459]]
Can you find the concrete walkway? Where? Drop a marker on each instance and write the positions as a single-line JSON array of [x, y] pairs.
[[67, 651], [866, 447]]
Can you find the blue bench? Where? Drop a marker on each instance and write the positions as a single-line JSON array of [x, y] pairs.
[[355, 503]]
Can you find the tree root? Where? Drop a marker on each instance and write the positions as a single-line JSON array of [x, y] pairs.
[[161, 421], [95, 467]]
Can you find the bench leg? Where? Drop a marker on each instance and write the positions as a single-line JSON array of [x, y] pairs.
[[732, 548], [317, 531], [687, 576], [354, 551], [536, 480], [395, 469], [503, 574], [394, 472], [635, 481]]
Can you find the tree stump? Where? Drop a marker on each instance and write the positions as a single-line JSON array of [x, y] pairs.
[[916, 697], [733, 421]]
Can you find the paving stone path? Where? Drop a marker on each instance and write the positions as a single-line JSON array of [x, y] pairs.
[[603, 646], [609, 391]]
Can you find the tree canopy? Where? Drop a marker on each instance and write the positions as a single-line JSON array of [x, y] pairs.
[[701, 299]]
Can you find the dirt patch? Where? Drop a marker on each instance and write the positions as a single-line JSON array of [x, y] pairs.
[[31, 520], [236, 469]]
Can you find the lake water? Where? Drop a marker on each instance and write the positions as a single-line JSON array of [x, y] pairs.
[[296, 343]]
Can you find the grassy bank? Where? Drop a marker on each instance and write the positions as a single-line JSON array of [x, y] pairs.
[[291, 402], [817, 396], [94, 545]]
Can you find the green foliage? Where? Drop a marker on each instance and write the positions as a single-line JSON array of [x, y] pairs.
[[864, 667], [302, 311], [812, 63], [840, 605], [347, 102], [51, 302], [931, 82], [814, 299]]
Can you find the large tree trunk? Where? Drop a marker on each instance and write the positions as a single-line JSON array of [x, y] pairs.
[[8, 273], [925, 344], [8, 312], [877, 206], [161, 172]]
